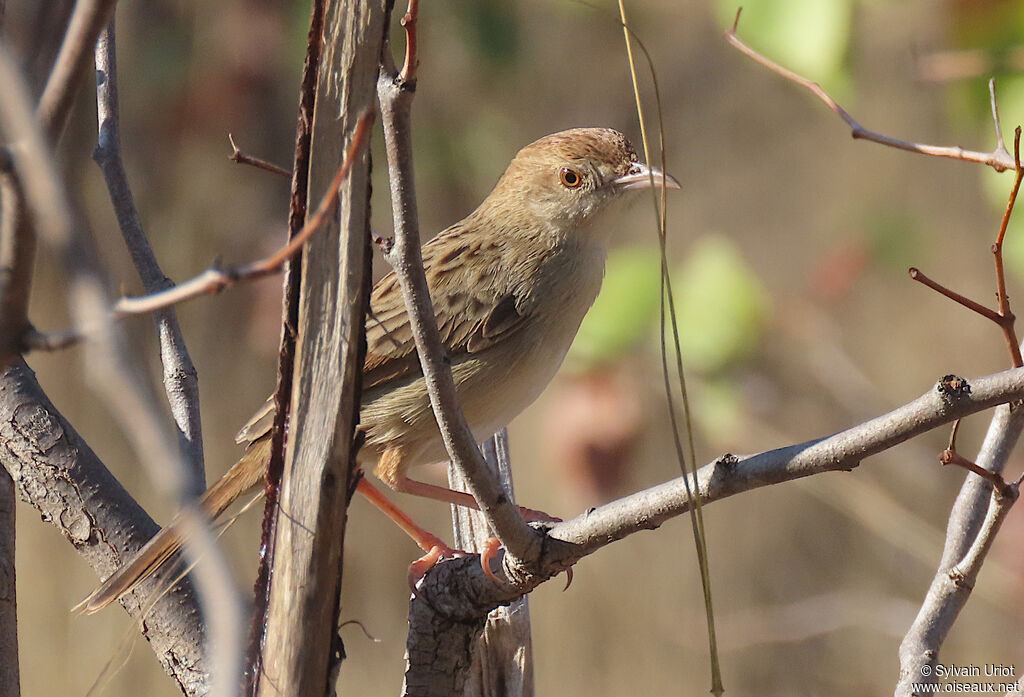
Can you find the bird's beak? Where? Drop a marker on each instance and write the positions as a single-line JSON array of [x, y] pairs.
[[640, 176]]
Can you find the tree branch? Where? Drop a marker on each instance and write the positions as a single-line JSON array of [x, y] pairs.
[[297, 208], [9, 676], [87, 20], [454, 598], [395, 96], [502, 664], [181, 382], [301, 648], [999, 159], [976, 516], [57, 473]]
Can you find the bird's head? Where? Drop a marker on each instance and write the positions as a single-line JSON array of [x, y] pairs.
[[565, 178]]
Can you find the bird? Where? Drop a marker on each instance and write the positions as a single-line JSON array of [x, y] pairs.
[[510, 284]]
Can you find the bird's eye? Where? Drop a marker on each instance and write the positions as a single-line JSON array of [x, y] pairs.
[[570, 178]]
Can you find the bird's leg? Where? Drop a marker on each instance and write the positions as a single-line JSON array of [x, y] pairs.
[[430, 543], [460, 498]]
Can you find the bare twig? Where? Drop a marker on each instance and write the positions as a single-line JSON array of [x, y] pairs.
[[395, 96], [408, 74], [1003, 316], [181, 381], [971, 305], [999, 159], [1008, 324], [243, 159], [87, 20], [950, 456], [214, 279]]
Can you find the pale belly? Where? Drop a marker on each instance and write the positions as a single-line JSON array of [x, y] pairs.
[[493, 386]]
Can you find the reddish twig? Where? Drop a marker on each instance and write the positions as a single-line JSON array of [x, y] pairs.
[[1002, 298], [1003, 316], [950, 456], [971, 305], [216, 279], [243, 159], [999, 159], [408, 73]]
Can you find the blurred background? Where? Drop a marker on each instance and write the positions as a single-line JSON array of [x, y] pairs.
[[789, 245]]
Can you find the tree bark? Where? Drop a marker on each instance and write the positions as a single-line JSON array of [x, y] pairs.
[[301, 649]]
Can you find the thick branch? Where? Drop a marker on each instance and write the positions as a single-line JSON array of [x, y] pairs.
[[454, 598], [9, 676], [301, 650], [297, 207], [57, 473], [181, 381], [503, 662]]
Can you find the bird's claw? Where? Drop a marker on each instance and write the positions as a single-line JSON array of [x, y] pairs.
[[489, 552], [419, 568]]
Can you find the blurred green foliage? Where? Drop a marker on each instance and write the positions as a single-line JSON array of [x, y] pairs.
[[720, 304], [808, 36], [624, 311]]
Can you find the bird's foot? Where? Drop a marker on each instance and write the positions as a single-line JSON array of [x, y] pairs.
[[419, 568], [490, 551]]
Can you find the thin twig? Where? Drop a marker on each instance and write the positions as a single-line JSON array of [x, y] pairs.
[[411, 63], [950, 456], [1003, 316], [1008, 321], [395, 96], [998, 159], [87, 20], [215, 279], [971, 305], [181, 382], [243, 159]]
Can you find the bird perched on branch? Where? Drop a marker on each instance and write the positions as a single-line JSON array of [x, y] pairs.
[[510, 284]]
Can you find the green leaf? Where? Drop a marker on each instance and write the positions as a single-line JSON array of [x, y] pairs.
[[721, 306]]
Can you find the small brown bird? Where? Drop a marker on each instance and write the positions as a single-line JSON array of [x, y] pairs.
[[510, 284]]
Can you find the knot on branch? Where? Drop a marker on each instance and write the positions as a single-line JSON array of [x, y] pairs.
[[952, 388]]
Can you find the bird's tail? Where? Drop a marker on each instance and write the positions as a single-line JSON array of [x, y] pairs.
[[243, 476]]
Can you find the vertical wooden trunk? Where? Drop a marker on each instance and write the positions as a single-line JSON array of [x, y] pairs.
[[300, 635]]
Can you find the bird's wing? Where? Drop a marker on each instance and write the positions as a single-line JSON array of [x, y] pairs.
[[471, 316], [258, 425]]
